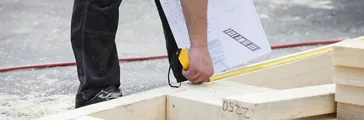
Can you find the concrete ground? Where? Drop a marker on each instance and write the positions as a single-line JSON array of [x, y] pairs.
[[37, 31]]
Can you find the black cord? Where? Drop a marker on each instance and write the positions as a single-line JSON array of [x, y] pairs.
[[169, 81], [169, 70]]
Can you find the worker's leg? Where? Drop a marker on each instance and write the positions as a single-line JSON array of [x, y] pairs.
[[93, 28]]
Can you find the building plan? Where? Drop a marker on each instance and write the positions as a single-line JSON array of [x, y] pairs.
[[235, 33]]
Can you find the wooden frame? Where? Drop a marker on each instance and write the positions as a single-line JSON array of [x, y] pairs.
[[302, 89], [200, 102]]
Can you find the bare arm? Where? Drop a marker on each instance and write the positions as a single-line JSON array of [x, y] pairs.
[[200, 69], [195, 12]]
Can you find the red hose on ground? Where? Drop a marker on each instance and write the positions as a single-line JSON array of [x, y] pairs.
[[159, 57], [304, 43]]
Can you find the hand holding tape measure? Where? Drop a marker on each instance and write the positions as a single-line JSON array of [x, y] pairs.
[[195, 65]]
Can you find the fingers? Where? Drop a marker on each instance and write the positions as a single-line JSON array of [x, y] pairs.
[[200, 80], [194, 76], [191, 75]]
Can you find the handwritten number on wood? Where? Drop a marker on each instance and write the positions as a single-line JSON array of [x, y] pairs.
[[231, 107], [246, 110], [235, 108], [225, 107]]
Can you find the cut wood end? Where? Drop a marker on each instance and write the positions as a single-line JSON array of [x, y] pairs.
[[351, 43]]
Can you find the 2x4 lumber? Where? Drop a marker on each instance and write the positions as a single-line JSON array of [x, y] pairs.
[[349, 53], [349, 94], [152, 109], [86, 118], [331, 116], [350, 102], [308, 71], [204, 102], [148, 105], [347, 111], [282, 104], [351, 76]]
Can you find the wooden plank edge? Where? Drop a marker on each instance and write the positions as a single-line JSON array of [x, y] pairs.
[[349, 53], [331, 116], [138, 98], [347, 111], [203, 103], [349, 94], [282, 104], [351, 76]]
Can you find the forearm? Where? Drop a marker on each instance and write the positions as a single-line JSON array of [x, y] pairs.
[[195, 12]]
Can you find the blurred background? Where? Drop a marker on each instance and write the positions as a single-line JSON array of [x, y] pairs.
[[38, 31]]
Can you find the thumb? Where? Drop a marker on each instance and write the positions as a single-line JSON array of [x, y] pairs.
[[185, 73]]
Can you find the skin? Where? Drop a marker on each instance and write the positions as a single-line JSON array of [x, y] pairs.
[[201, 68]]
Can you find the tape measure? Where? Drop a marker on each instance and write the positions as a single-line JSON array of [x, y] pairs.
[[270, 63], [181, 60]]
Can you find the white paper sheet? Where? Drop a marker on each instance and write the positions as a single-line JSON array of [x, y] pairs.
[[235, 33]]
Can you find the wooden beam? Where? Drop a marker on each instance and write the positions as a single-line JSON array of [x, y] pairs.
[[331, 116], [281, 104], [204, 103], [309, 71], [349, 94], [151, 109], [150, 105], [347, 111], [349, 76], [349, 53]]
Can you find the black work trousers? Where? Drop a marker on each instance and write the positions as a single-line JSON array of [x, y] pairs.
[[93, 28]]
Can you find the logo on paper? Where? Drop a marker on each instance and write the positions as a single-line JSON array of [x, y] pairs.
[[241, 39]]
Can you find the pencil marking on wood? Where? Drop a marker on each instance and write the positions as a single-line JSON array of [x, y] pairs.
[[239, 110]]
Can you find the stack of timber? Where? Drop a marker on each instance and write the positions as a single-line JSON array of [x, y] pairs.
[[348, 61], [294, 87]]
